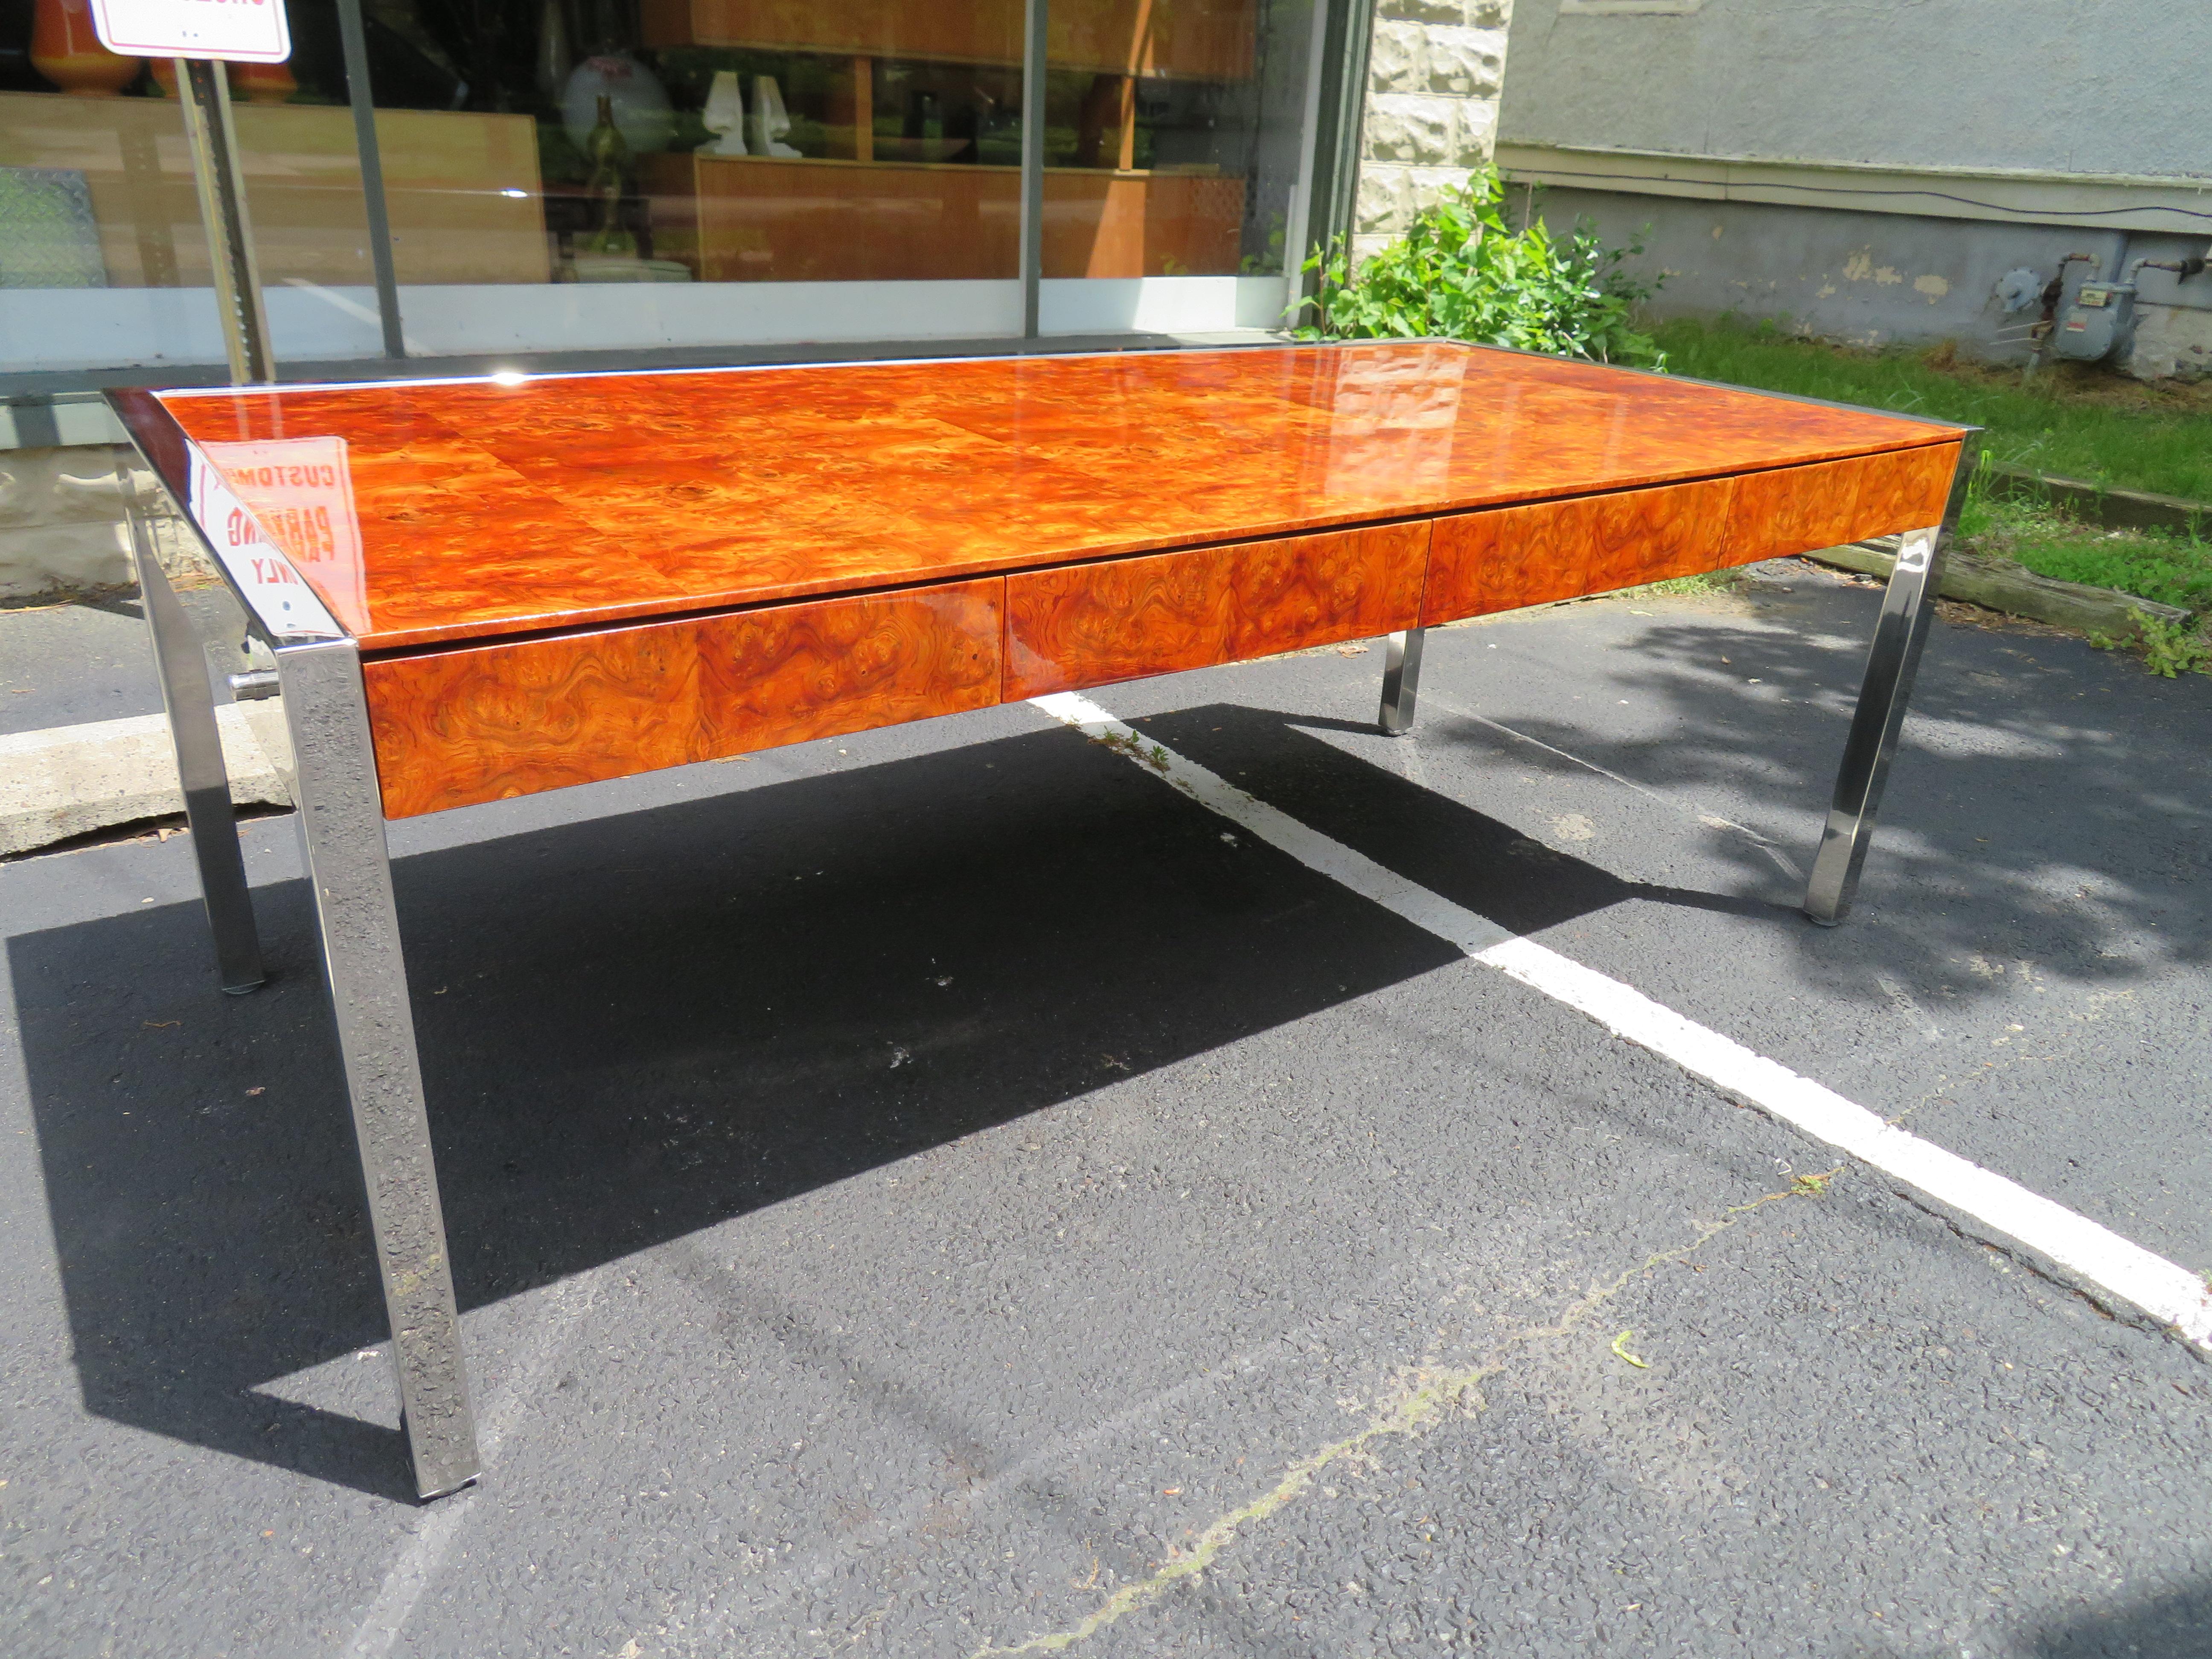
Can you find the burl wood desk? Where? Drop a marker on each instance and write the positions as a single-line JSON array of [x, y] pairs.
[[479, 588]]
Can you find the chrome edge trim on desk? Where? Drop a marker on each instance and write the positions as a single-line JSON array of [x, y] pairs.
[[160, 443]]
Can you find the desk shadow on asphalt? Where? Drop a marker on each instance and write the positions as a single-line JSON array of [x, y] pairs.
[[2176, 1625], [637, 1026]]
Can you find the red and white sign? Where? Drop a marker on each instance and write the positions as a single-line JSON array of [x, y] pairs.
[[237, 31], [277, 506]]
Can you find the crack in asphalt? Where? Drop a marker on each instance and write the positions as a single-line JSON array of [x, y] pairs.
[[1423, 1396], [2111, 1307]]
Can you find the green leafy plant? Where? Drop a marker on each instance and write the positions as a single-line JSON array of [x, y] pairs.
[[1266, 264], [2168, 649], [1461, 273], [2171, 648]]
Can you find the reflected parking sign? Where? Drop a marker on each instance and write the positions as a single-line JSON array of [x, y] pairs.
[[238, 31]]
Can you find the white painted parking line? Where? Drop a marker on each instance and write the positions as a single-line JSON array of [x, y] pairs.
[[2168, 1292], [432, 1540]]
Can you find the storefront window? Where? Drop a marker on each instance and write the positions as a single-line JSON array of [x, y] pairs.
[[1174, 150], [630, 175], [101, 249]]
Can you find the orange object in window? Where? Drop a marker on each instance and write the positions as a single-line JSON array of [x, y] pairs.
[[262, 83], [66, 51]]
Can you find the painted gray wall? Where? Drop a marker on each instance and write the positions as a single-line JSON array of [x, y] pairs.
[[2052, 85], [1878, 278]]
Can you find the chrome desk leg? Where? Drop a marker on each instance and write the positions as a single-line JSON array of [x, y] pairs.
[[1906, 605], [342, 830], [205, 781], [1402, 682]]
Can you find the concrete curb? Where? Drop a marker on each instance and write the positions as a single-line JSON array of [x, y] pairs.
[[74, 779], [2001, 585]]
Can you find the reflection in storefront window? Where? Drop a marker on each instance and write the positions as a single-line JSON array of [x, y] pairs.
[[1194, 106], [658, 148]]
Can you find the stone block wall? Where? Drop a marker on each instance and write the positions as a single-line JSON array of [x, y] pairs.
[[62, 528], [1433, 75]]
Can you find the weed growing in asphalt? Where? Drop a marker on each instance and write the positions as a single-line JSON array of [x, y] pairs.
[[1707, 581], [2170, 649], [1134, 747], [2166, 648]]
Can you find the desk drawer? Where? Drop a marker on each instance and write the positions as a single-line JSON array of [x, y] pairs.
[[1503, 558], [480, 723], [1093, 624], [1798, 510]]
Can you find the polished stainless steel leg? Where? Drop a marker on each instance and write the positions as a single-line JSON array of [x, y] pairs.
[[1907, 604], [1401, 681], [342, 830], [186, 694]]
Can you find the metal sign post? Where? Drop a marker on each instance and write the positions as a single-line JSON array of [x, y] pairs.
[[202, 37], [204, 91]]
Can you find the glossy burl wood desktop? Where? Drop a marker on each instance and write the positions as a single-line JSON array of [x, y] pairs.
[[996, 527], [537, 582]]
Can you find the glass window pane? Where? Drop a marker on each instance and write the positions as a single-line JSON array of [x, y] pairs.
[[703, 171], [635, 175], [100, 221], [1174, 149]]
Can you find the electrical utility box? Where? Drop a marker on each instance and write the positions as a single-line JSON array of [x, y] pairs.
[[2098, 321]]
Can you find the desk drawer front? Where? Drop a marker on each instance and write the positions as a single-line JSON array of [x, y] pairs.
[[1798, 510], [1506, 557], [456, 728], [1093, 624]]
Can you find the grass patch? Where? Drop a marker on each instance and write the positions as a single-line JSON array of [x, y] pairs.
[[2162, 565], [2071, 420]]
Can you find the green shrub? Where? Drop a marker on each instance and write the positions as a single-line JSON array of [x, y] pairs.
[[1460, 273]]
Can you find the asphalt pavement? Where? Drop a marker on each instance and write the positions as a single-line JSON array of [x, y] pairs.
[[87, 660], [945, 1191]]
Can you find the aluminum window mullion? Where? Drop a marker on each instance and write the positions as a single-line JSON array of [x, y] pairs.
[[1336, 137], [1034, 18]]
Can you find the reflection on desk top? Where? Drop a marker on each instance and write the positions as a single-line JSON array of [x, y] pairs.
[[484, 507]]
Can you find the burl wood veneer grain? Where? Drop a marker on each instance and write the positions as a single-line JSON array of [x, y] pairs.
[[486, 509], [1093, 624], [1507, 557], [1511, 556], [480, 723], [1907, 491], [1799, 508]]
